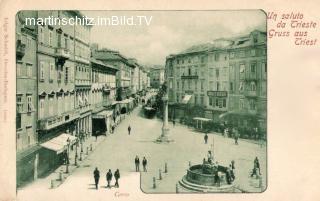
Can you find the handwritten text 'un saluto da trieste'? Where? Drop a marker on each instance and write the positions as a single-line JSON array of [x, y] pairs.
[[293, 25]]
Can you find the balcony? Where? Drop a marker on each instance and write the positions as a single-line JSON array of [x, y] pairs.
[[189, 77], [250, 93], [20, 50], [57, 120], [62, 55]]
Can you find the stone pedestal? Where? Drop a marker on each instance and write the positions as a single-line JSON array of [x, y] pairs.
[[164, 137]]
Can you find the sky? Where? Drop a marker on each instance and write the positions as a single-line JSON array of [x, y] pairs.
[[171, 32]]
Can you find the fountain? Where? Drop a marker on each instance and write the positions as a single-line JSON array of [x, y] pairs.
[[209, 177]]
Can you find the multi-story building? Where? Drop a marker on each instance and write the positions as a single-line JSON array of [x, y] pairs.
[[216, 100], [156, 75], [103, 94], [134, 75], [142, 83], [63, 72], [226, 78], [123, 77], [26, 99], [248, 81], [82, 56]]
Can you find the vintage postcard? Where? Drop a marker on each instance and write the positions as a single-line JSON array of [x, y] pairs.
[[139, 102]]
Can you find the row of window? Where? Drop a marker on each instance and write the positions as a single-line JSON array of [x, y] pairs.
[[217, 71], [222, 56], [58, 73], [189, 60], [218, 102], [217, 86], [55, 104], [101, 77]]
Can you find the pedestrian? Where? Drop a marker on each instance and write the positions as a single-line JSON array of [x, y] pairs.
[[96, 137], [112, 129], [232, 165], [257, 164], [137, 163], [236, 136], [109, 178], [231, 173], [129, 129], [144, 163], [225, 133], [96, 175], [117, 177], [174, 122], [206, 138]]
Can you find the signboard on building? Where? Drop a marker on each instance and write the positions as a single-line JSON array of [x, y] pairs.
[[188, 92], [217, 93]]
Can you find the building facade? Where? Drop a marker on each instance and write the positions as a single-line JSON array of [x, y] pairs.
[[225, 80], [82, 56], [63, 86], [156, 75], [26, 99], [248, 82], [103, 94], [123, 77]]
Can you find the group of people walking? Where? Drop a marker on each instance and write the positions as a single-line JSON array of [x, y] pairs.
[[137, 164], [109, 176]]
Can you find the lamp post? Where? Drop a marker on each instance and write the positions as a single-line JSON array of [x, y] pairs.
[[67, 160], [76, 154]]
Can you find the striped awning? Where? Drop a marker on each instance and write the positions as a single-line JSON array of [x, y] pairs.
[[60, 143]]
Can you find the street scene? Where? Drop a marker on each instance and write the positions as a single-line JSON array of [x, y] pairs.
[[115, 112]]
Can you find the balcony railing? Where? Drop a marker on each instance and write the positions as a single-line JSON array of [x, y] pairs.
[[21, 49], [62, 55], [57, 120]]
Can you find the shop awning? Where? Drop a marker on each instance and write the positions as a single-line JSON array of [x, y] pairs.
[[59, 143], [102, 114], [201, 119], [243, 114], [186, 99]]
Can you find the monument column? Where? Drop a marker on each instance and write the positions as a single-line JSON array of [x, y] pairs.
[[164, 137]]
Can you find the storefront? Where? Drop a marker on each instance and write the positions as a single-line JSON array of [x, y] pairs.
[[102, 122], [54, 152]]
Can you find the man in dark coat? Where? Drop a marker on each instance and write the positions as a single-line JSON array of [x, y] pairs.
[[137, 163], [206, 138], [117, 177], [144, 163], [109, 178], [257, 164], [129, 129], [96, 175]]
